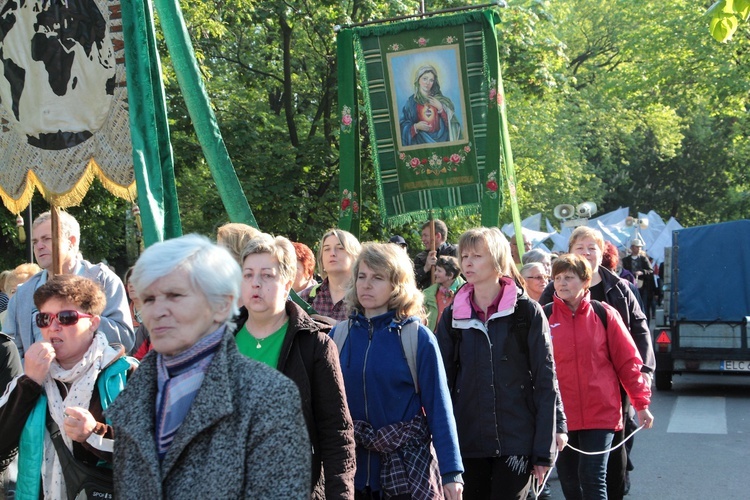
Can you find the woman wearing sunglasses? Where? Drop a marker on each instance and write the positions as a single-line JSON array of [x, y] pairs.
[[64, 380]]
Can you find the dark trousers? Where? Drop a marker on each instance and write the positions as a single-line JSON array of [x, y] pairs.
[[618, 459], [584, 477], [502, 478]]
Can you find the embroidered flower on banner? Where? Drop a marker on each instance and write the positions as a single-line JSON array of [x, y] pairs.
[[495, 96], [346, 119], [434, 164], [422, 41], [349, 203], [450, 39], [395, 47], [491, 185]]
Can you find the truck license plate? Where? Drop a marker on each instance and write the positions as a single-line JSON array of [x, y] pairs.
[[735, 366]]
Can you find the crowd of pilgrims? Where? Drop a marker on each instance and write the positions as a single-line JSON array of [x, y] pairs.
[[253, 368]]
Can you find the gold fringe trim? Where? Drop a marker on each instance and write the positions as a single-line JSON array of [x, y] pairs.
[[71, 198]]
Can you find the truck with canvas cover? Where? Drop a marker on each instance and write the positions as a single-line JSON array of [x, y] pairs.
[[704, 325]]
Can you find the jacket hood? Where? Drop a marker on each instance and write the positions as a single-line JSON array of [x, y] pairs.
[[462, 303]]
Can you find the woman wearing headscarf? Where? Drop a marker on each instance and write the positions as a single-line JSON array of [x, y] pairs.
[[200, 419], [67, 378], [276, 331], [428, 116]]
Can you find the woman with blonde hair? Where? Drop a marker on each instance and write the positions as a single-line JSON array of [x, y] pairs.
[[337, 252], [496, 349], [234, 236], [16, 277], [398, 395]]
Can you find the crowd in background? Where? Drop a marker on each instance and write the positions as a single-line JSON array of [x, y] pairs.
[[256, 368]]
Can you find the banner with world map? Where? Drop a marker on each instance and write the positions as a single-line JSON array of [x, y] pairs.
[[64, 115], [435, 110]]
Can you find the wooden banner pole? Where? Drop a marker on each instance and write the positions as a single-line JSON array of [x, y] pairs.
[[56, 261]]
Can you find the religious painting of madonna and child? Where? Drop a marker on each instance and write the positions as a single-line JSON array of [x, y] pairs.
[[428, 93]]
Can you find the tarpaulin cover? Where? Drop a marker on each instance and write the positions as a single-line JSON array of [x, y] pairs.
[[711, 272]]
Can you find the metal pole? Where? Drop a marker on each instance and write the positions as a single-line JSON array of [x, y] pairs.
[[496, 3]]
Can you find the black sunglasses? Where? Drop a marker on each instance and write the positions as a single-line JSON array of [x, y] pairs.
[[65, 318]]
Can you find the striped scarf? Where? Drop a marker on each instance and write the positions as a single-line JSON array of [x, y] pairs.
[[179, 378]]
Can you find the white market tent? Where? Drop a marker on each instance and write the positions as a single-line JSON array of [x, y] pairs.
[[657, 236]]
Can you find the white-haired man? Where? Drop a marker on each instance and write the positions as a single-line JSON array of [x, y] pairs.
[[116, 322]]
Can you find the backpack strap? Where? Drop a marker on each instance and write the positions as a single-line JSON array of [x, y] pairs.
[[340, 334], [600, 311], [547, 309], [409, 336], [520, 323]]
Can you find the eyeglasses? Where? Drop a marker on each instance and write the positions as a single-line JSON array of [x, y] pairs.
[[65, 318]]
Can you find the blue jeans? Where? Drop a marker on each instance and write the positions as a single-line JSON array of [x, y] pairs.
[[584, 477]]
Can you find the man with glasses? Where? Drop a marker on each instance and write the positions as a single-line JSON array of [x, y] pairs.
[[21, 322]]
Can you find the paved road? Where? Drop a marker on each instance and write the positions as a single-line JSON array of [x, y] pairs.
[[699, 447]]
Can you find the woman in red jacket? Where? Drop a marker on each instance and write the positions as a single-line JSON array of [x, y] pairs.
[[591, 360]]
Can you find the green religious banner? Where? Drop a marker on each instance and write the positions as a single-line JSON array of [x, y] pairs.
[[435, 110]]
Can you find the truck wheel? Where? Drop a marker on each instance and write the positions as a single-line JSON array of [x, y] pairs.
[[664, 381]]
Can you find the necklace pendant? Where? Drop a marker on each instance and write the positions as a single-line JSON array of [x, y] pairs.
[[257, 346]]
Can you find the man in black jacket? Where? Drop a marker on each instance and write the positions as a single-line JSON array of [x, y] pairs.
[[639, 264]]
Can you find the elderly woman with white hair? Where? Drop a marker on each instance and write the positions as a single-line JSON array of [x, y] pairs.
[[536, 278], [201, 420]]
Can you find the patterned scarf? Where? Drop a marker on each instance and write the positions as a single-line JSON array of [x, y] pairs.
[[81, 380], [409, 465], [179, 378]]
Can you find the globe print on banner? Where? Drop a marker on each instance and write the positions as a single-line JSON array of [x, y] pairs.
[[58, 73], [64, 111]]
